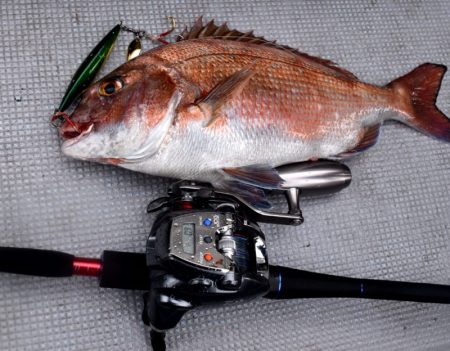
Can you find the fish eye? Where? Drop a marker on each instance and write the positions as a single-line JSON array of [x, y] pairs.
[[110, 87]]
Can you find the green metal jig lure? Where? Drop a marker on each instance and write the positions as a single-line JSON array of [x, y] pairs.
[[89, 68]]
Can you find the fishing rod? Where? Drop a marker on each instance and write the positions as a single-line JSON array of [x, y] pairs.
[[206, 247]]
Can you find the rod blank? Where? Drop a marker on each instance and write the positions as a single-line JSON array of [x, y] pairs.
[[289, 283]]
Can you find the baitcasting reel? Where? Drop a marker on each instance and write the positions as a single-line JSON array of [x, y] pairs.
[[302, 178], [205, 247]]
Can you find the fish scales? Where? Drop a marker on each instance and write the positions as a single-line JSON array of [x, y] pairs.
[[269, 96]]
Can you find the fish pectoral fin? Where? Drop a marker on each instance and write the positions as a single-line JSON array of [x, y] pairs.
[[212, 104], [262, 176], [368, 140]]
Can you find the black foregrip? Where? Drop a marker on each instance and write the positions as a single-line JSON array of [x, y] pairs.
[[289, 283], [43, 263], [124, 270]]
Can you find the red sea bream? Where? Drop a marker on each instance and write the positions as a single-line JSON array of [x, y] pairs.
[[219, 104]]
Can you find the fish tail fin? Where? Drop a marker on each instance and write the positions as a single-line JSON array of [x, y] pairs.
[[417, 92]]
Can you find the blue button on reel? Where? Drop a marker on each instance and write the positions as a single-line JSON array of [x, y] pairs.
[[207, 222]]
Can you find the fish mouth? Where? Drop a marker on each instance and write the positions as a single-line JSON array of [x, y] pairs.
[[72, 135], [68, 128]]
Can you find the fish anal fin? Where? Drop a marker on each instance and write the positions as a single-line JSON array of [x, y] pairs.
[[369, 139], [212, 31], [212, 104], [262, 176]]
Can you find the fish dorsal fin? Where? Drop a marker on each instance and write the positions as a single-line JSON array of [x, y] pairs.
[[211, 31]]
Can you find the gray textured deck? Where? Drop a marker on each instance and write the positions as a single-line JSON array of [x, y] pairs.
[[393, 222]]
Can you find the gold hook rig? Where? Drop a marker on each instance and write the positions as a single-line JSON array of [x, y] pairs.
[[142, 34], [135, 47]]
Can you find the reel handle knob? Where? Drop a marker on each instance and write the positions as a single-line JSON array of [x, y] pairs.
[[315, 177]]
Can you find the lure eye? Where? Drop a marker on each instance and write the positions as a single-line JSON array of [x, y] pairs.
[[110, 87]]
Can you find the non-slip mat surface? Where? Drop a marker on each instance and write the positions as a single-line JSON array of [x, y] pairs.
[[392, 222]]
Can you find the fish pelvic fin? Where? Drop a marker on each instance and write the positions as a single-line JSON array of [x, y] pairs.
[[262, 176], [249, 181], [253, 195], [418, 91]]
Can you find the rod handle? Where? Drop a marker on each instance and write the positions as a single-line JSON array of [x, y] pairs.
[[44, 263]]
